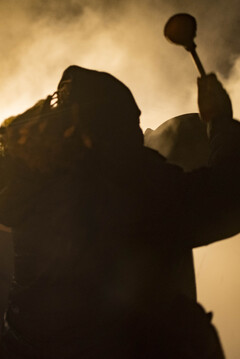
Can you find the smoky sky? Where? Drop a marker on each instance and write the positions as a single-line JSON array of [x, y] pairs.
[[39, 39], [216, 17]]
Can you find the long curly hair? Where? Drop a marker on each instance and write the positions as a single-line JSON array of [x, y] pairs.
[[89, 110]]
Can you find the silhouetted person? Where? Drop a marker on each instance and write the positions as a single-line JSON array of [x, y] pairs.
[[102, 226]]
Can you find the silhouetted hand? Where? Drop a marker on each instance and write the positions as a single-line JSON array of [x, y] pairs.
[[213, 100]]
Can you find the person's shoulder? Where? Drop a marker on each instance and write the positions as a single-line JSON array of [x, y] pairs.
[[155, 159], [153, 155], [158, 169]]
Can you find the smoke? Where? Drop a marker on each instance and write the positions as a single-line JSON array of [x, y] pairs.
[[233, 86], [39, 39], [124, 40]]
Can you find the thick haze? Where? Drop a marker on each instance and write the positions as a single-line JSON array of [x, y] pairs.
[[38, 39]]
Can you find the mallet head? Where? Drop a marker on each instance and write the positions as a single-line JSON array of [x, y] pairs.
[[181, 30]]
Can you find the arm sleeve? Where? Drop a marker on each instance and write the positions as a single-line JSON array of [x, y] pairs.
[[210, 197]]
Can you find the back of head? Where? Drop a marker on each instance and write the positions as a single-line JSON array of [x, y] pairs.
[[94, 113], [105, 108]]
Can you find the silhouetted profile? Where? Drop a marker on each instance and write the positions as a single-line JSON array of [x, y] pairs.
[[102, 226]]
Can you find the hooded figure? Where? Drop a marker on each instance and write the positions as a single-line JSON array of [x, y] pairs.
[[105, 108], [103, 230]]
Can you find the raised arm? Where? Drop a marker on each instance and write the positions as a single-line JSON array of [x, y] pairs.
[[217, 201]]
